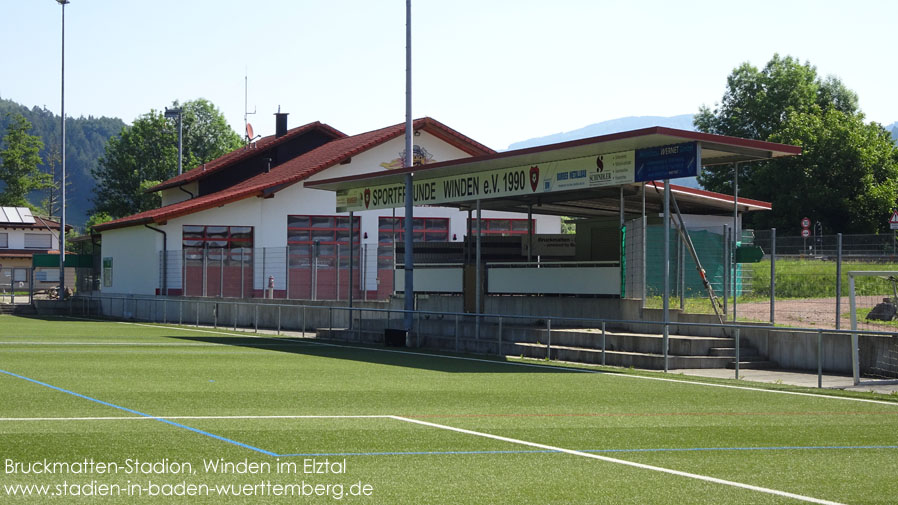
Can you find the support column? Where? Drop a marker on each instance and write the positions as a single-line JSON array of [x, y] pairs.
[[644, 252], [477, 286], [351, 243], [666, 296], [529, 233]]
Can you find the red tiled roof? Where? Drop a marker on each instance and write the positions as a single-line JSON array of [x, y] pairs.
[[298, 169], [40, 223], [240, 154], [25, 253]]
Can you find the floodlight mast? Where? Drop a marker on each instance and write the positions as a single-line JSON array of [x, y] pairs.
[[61, 293], [409, 258], [172, 113]]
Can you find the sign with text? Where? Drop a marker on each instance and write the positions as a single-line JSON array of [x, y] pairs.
[[611, 169], [594, 171], [554, 244], [668, 162]]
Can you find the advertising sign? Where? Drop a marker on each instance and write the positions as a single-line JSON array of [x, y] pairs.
[[612, 169], [667, 162], [594, 171]]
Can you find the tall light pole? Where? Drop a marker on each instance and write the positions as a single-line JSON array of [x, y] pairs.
[[175, 112], [62, 3], [409, 259]]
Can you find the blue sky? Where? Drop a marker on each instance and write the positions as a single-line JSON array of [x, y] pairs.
[[498, 71]]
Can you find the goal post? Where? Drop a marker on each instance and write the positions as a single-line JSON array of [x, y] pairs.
[[879, 287]]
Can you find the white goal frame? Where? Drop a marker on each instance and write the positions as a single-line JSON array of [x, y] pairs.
[[855, 353]]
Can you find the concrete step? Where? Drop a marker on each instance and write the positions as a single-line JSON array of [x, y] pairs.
[[18, 309], [621, 348], [759, 364], [650, 361], [731, 351]]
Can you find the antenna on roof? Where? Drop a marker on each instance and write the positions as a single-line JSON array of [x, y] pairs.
[[248, 128]]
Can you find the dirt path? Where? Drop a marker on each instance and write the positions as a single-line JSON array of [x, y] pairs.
[[807, 313]]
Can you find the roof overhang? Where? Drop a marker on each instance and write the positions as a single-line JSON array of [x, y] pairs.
[[714, 150]]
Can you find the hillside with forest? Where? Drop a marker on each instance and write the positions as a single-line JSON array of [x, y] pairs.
[[85, 142]]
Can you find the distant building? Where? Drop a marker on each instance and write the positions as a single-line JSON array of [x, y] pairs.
[[22, 235]]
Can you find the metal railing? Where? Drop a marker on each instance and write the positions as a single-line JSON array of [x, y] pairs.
[[452, 331]]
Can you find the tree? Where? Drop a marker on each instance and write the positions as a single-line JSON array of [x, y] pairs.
[[146, 153], [50, 204], [20, 160], [847, 175], [85, 139]]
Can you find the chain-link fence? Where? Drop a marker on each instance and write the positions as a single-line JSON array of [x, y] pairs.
[[798, 281]]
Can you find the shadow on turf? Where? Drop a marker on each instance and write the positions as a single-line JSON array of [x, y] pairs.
[[434, 362]]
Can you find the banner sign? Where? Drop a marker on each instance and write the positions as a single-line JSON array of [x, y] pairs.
[[595, 171], [668, 162]]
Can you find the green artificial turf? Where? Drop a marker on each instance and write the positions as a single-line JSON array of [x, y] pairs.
[[828, 448]]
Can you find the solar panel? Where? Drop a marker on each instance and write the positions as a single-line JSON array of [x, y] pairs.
[[16, 215]]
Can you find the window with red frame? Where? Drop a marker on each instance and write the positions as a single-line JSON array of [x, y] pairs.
[[424, 229], [328, 232], [501, 227], [236, 240]]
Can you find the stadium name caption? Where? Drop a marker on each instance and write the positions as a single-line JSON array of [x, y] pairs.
[[166, 466]]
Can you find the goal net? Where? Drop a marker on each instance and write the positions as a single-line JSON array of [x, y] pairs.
[[874, 307]]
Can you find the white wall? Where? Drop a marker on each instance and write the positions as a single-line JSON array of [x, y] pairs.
[[135, 264], [175, 195], [16, 236]]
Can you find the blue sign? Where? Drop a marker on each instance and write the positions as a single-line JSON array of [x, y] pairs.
[[668, 162]]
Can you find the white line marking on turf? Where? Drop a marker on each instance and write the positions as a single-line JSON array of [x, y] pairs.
[[622, 462], [166, 344], [144, 418], [516, 363]]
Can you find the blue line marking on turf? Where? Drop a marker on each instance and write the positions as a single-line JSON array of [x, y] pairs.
[[593, 451], [132, 411]]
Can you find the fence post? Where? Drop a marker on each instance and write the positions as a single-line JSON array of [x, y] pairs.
[[302, 327], [772, 276], [456, 332], [197, 302], [500, 336], [242, 274], [855, 366], [279, 319], [164, 311], [681, 272], [819, 359], [726, 268], [338, 271], [549, 339], [221, 272], [180, 312], [287, 269], [235, 308], [738, 345], [838, 280], [183, 272], [256, 317], [603, 343]]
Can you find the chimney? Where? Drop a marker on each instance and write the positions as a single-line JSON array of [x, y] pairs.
[[280, 120]]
